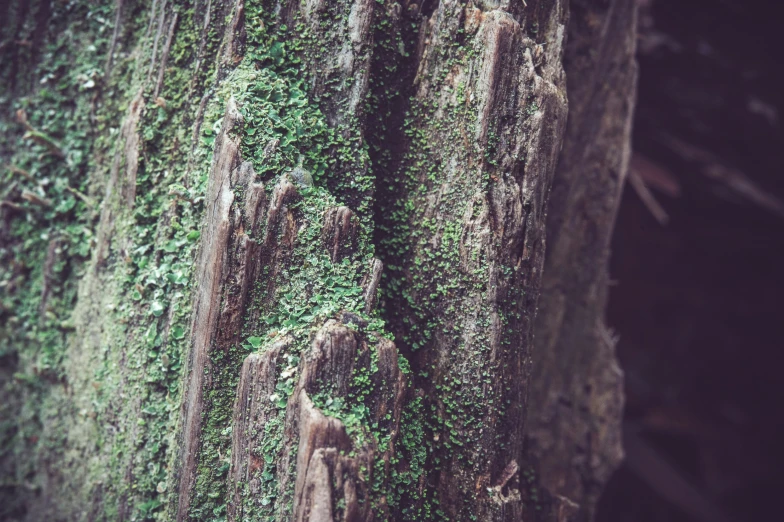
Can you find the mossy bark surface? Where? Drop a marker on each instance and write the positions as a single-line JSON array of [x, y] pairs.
[[281, 260]]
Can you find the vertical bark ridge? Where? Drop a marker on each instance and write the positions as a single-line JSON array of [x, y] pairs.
[[576, 388], [213, 273], [464, 238]]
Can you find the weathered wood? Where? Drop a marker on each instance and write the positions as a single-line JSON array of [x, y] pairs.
[[487, 113], [576, 394], [251, 413], [426, 223], [340, 232], [215, 268]]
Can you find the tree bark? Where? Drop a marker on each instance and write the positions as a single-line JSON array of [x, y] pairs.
[[576, 394], [282, 260]]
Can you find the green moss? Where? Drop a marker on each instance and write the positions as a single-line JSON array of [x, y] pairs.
[[60, 139], [51, 136], [127, 375], [284, 125]]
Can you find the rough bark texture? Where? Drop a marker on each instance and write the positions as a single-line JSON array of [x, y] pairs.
[[466, 239], [276, 192], [576, 395]]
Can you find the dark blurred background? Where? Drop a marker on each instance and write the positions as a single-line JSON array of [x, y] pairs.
[[698, 268]]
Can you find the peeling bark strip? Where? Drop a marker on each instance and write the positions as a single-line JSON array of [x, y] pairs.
[[340, 232], [212, 275], [331, 470], [252, 412], [120, 190]]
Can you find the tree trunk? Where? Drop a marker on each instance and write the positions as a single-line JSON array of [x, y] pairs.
[[576, 393], [282, 260]]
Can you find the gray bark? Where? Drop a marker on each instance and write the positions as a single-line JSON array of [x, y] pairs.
[[576, 394]]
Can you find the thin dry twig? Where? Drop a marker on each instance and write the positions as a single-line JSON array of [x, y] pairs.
[[647, 198]]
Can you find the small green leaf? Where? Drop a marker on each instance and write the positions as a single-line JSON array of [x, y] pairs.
[[193, 235], [255, 342], [149, 337], [177, 332], [177, 277], [156, 308], [66, 205]]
